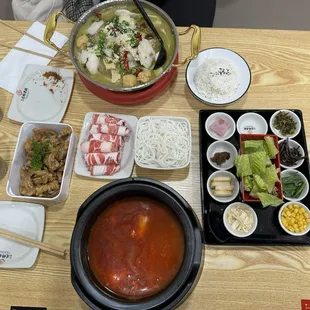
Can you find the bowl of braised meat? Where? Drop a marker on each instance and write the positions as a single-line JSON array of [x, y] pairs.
[[42, 163]]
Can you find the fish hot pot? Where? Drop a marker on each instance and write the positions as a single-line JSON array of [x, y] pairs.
[[118, 94]]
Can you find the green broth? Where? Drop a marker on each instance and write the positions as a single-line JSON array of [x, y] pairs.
[[162, 26]]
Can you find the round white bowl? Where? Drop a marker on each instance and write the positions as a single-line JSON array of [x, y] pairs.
[[277, 132], [234, 182], [237, 233], [293, 143], [252, 123], [222, 146], [241, 66], [286, 230], [305, 191], [212, 118]]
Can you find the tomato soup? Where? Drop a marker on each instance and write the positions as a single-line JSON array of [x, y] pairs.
[[136, 247]]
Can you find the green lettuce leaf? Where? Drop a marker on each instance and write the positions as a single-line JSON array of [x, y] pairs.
[[260, 184], [268, 162], [242, 163], [272, 151], [252, 146], [258, 162], [248, 183], [270, 177], [269, 200], [254, 191]]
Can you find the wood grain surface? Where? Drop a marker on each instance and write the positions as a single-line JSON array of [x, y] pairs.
[[234, 278]]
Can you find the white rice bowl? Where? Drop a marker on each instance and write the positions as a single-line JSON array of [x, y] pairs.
[[218, 76]]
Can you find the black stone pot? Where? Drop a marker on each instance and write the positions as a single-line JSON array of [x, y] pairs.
[[84, 281]]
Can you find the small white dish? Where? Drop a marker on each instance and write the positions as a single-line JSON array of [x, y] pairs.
[[19, 159], [291, 144], [26, 219], [238, 233], [127, 156], [212, 118], [277, 132], [241, 66], [288, 231], [222, 146], [37, 99], [234, 182], [252, 123], [172, 118], [305, 191]]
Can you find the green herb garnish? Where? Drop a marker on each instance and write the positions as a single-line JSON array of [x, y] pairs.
[[134, 42], [39, 151], [102, 44]]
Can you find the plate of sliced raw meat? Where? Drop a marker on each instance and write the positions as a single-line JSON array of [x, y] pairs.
[[105, 149]]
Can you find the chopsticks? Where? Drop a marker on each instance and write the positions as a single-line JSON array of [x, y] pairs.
[[31, 36], [33, 53], [49, 248]]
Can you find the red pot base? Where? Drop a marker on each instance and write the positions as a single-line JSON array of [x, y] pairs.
[[136, 97]]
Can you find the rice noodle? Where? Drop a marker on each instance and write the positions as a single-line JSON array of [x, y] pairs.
[[163, 142]]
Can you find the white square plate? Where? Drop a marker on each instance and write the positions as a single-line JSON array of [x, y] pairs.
[[36, 99], [127, 156], [26, 219], [171, 118]]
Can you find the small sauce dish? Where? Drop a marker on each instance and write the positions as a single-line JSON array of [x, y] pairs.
[[252, 123], [219, 147], [277, 132], [246, 208]]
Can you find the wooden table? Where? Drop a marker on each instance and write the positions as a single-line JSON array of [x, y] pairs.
[[234, 278]]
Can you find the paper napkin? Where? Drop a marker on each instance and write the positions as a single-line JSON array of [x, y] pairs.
[[13, 64]]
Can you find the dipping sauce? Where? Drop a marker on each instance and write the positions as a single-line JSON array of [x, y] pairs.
[[136, 247]]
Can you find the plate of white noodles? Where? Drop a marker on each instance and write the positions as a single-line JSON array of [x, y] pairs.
[[163, 142]]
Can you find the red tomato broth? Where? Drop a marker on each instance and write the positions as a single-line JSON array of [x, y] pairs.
[[136, 247]]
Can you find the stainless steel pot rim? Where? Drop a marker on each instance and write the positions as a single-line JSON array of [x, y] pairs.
[[109, 3]]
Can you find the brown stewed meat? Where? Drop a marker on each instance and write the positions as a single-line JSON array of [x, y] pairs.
[[46, 153]]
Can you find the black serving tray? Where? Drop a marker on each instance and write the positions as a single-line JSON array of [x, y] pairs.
[[269, 231]]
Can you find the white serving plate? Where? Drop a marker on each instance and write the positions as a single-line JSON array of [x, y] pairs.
[[33, 101], [12, 187], [127, 156], [174, 118], [241, 66], [26, 219]]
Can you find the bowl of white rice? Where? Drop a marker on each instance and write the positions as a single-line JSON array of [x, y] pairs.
[[218, 76]]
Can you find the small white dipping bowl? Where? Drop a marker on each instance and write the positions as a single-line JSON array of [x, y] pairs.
[[234, 182], [252, 123], [241, 66], [305, 191], [277, 132], [218, 147], [228, 226], [212, 118], [290, 232], [291, 144]]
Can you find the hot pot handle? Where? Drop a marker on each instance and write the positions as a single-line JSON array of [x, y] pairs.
[[195, 44], [51, 28]]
